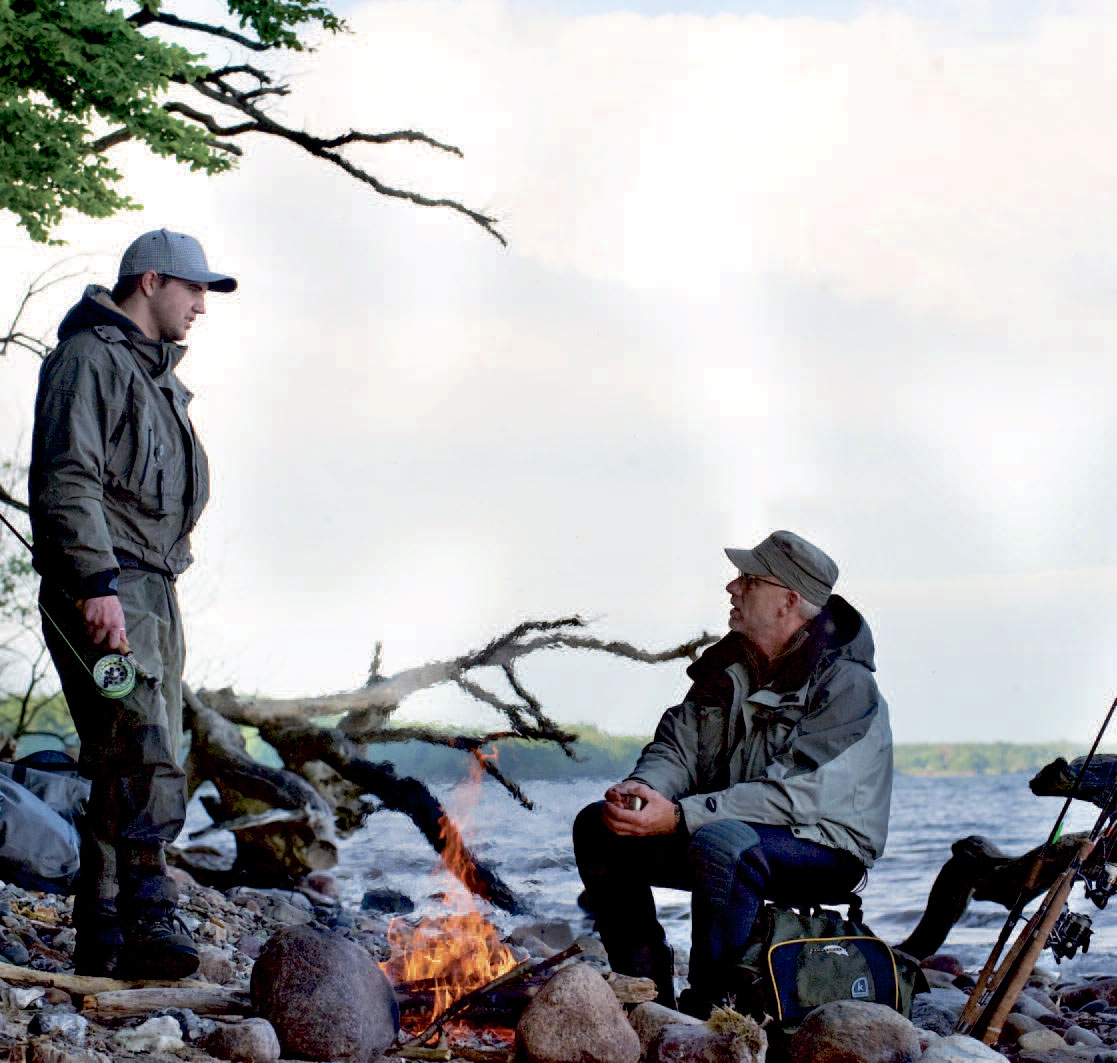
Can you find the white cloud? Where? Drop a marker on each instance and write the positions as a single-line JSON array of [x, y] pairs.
[[849, 277]]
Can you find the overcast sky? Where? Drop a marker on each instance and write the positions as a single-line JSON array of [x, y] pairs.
[[841, 268]]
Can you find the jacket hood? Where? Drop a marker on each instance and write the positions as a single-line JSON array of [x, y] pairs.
[[97, 308], [839, 631]]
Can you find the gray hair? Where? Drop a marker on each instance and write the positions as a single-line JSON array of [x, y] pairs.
[[808, 610]]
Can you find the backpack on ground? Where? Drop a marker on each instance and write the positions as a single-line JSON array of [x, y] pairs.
[[800, 959]]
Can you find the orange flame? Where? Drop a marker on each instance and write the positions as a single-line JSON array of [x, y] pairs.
[[451, 954]]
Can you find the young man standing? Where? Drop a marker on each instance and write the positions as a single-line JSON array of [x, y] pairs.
[[118, 480]]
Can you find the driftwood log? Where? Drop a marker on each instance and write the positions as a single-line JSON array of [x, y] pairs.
[[978, 870], [286, 820]]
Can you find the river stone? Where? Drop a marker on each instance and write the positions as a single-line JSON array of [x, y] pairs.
[[939, 979], [649, 1018], [958, 1048], [1039, 1041], [1031, 1007], [42, 1050], [324, 996], [575, 1018], [942, 961], [63, 1025], [680, 1042], [388, 901], [854, 1031], [1040, 996], [1104, 989], [927, 1015], [253, 1041], [1016, 1024], [1078, 1035], [215, 966]]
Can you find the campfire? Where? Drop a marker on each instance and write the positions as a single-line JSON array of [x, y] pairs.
[[445, 957]]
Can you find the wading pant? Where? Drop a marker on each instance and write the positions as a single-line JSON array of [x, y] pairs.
[[728, 866], [129, 746]]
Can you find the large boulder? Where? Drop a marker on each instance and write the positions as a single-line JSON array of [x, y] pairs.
[[854, 1031], [575, 1018], [324, 996]]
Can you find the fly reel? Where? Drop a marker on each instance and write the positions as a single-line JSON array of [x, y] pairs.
[[115, 675]]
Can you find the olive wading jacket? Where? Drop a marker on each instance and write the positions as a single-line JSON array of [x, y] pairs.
[[116, 469], [802, 742]]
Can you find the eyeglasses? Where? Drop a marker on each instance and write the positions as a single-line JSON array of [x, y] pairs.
[[752, 581]]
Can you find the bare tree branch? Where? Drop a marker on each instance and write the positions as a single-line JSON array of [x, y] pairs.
[[220, 91], [146, 16]]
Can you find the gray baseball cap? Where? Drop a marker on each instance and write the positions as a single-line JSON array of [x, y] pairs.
[[174, 254], [797, 564]]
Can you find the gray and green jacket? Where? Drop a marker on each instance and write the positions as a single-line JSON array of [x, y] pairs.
[[116, 469], [802, 741]]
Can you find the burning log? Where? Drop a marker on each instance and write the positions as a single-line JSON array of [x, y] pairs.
[[527, 969]]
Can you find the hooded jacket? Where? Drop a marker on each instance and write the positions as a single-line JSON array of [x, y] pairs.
[[116, 468], [802, 741]]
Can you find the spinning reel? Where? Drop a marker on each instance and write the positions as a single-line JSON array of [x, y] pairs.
[[1071, 932]]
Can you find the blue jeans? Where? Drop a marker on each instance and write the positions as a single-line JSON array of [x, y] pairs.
[[728, 866]]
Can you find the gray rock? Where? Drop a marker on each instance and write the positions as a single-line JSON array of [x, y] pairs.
[[575, 1018], [216, 966], [1078, 1035], [60, 1024], [14, 951], [853, 1031], [387, 900], [1031, 1007], [557, 936], [950, 998], [593, 952], [1039, 1041], [324, 996], [684, 1043], [1040, 996], [253, 1041], [1016, 1024], [192, 1026], [928, 1015], [42, 1050], [939, 979], [648, 1019], [958, 1048]]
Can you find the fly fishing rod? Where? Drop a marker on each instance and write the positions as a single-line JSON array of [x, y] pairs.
[[1051, 925], [113, 674]]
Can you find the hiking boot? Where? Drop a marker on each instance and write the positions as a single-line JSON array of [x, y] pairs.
[[156, 945], [656, 962], [99, 938]]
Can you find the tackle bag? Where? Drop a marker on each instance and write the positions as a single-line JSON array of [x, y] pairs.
[[800, 959]]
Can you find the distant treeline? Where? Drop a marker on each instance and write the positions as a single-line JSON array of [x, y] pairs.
[[598, 755], [612, 756]]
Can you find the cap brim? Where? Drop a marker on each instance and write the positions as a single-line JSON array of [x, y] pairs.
[[217, 282], [748, 563]]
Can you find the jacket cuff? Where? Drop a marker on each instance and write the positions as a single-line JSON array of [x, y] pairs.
[[99, 585]]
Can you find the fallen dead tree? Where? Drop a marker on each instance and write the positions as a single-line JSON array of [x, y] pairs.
[[286, 820], [978, 870]]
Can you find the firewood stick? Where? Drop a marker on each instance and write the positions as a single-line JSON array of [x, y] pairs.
[[418, 1052], [201, 999], [76, 984]]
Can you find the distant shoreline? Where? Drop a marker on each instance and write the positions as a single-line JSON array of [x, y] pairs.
[[612, 756]]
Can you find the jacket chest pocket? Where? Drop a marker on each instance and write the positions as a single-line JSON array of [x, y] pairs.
[[769, 731], [137, 456], [713, 755]]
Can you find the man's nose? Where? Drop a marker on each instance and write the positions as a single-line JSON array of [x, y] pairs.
[[200, 304]]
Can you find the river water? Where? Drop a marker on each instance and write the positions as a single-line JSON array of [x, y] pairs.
[[532, 853]]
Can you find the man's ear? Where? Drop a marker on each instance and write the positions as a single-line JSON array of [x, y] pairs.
[[149, 282], [791, 602]]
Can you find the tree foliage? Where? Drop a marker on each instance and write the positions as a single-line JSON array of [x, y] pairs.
[[79, 77]]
